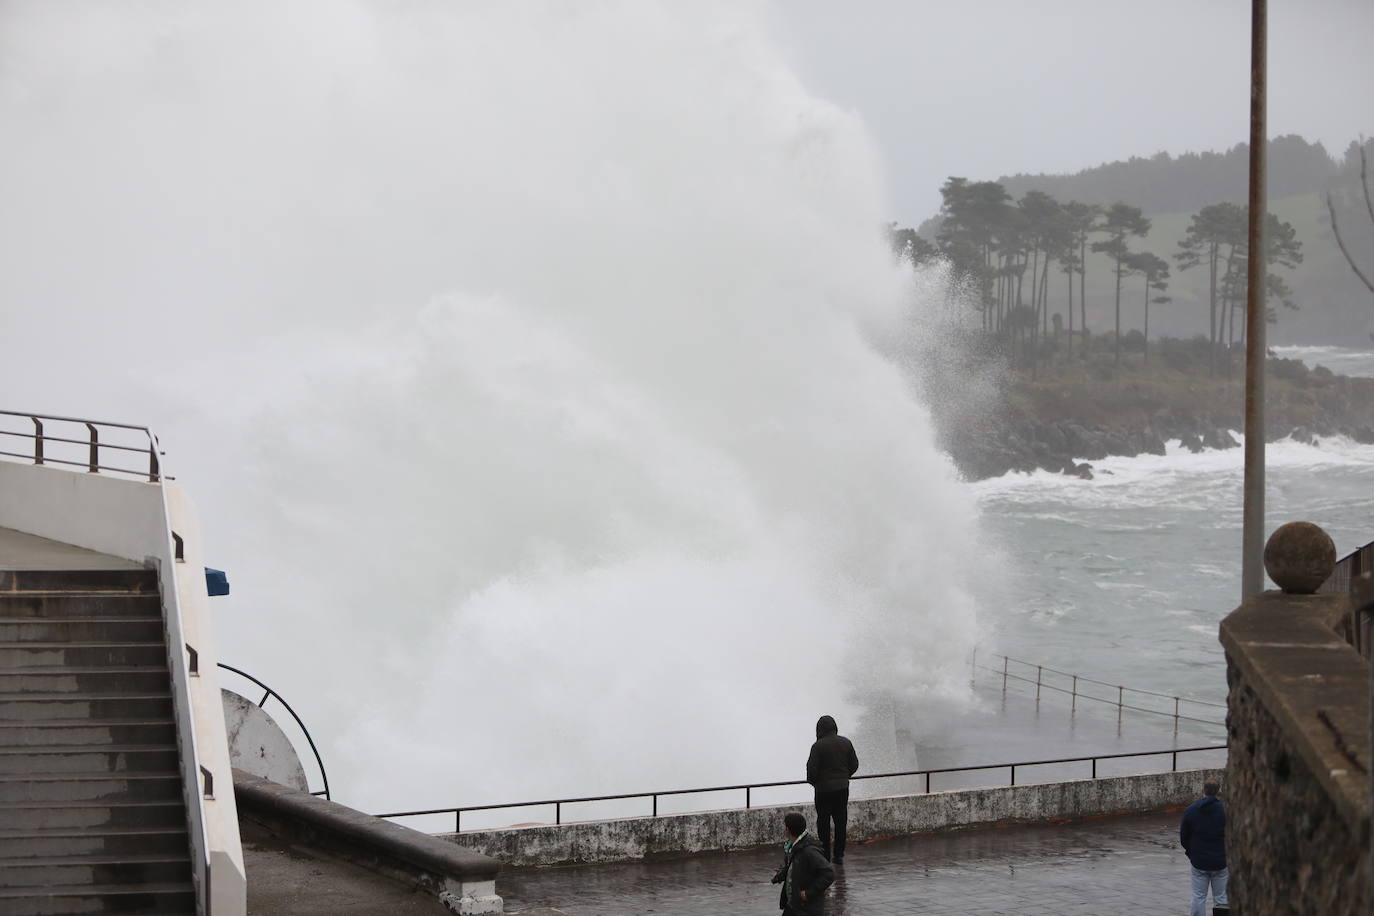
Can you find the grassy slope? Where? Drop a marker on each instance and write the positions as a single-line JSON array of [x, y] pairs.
[[1176, 384]]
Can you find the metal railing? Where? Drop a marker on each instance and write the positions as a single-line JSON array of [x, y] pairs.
[[95, 453], [270, 694], [1073, 689], [748, 788], [1349, 568]]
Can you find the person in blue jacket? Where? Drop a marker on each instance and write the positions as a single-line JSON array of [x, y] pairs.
[[1203, 835]]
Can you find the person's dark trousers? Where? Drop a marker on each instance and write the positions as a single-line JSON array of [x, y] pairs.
[[832, 804]]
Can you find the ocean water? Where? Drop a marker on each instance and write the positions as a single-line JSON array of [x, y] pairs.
[[1341, 360], [1125, 577]]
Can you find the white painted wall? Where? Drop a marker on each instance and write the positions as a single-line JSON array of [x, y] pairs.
[[134, 520]]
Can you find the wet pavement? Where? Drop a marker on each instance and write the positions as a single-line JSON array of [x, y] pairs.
[[1128, 864]]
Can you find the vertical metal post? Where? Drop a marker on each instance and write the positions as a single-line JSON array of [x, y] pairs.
[[95, 449], [1004, 673], [37, 440], [1252, 529], [1174, 766], [558, 812], [1039, 669], [1120, 702], [458, 821], [927, 782], [1094, 768], [1013, 774], [1074, 705], [747, 798], [1175, 712]]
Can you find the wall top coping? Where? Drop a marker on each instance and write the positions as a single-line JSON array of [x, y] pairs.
[[1290, 651], [340, 826]]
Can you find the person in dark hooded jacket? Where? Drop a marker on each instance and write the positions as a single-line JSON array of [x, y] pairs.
[[805, 872], [1203, 835], [828, 769]]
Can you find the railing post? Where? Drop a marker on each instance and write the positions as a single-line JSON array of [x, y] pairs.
[[154, 470], [1013, 774], [1074, 705], [1038, 670], [1094, 768], [1175, 763], [927, 782], [37, 440], [458, 821], [558, 813], [95, 449], [1175, 711], [747, 797], [655, 808], [1004, 673], [1120, 702]]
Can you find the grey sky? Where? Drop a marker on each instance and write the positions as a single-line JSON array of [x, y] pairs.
[[983, 88]]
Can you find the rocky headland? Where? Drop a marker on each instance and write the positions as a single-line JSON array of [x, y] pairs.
[[1064, 417]]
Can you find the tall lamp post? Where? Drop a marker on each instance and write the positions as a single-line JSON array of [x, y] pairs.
[[1252, 533]]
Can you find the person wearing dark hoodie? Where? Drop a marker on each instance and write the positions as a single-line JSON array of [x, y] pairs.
[[805, 872], [828, 769], [1203, 835]]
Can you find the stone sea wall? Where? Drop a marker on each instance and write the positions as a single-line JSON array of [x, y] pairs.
[[636, 839]]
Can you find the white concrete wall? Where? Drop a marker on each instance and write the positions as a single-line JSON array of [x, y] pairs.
[[635, 839], [134, 519]]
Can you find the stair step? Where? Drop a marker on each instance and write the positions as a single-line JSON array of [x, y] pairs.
[[20, 844], [88, 732], [93, 629], [137, 581], [19, 656], [159, 898], [109, 758], [62, 605], [90, 787], [107, 814], [50, 706], [153, 868], [89, 679]]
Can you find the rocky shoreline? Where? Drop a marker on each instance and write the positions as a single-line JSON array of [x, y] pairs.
[[1068, 447]]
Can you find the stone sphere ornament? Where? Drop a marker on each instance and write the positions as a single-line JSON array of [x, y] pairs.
[[1299, 557]]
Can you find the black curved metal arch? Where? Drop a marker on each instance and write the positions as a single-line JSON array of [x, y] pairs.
[[305, 731]]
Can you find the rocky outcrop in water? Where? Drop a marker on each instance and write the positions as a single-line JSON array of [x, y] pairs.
[[1068, 447]]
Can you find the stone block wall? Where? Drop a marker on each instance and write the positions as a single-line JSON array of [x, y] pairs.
[[1296, 783]]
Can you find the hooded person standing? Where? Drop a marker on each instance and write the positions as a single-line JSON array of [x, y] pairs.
[[828, 769], [805, 873]]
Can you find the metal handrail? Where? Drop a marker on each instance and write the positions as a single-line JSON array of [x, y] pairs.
[[1349, 568], [748, 788], [1088, 680], [272, 694], [1118, 702], [93, 462]]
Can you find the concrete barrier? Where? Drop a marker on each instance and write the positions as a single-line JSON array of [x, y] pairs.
[[635, 839], [463, 880]]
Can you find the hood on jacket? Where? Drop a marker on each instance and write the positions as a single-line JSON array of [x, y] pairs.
[[825, 725]]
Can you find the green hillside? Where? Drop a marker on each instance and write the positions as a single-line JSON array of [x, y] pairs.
[[1333, 306]]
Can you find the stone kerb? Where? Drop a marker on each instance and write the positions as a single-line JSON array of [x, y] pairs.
[[636, 839]]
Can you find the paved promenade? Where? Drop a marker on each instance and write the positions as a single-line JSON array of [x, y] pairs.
[[1123, 865]]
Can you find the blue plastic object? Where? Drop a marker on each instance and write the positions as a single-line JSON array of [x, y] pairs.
[[216, 582]]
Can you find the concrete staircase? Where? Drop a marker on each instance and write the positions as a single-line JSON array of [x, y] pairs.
[[92, 818]]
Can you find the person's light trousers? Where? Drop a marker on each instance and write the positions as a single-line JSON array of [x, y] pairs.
[[1202, 880]]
